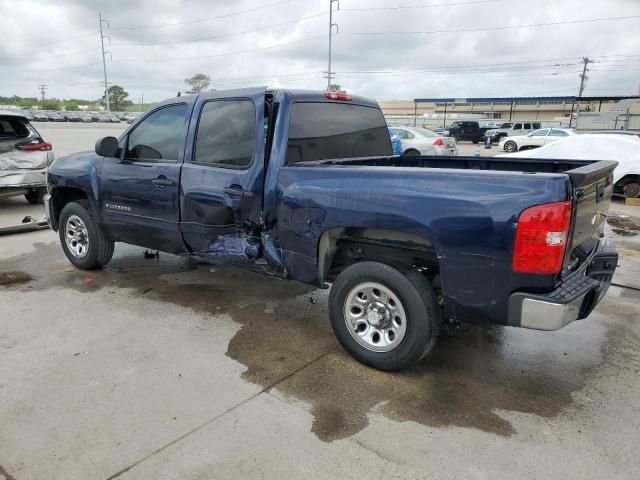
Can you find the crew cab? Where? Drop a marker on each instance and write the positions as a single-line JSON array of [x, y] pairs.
[[303, 186], [465, 130]]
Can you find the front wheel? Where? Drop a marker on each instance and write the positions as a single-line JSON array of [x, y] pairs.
[[83, 241], [385, 317], [510, 146]]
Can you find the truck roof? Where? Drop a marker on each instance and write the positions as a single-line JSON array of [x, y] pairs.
[[297, 95]]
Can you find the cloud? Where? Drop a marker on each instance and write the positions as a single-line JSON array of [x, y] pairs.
[[57, 44]]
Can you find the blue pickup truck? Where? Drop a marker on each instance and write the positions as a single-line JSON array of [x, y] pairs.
[[303, 186]]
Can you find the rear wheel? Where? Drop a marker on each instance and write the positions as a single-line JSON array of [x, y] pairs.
[[412, 152], [83, 241], [35, 196], [385, 317], [631, 190], [510, 146]]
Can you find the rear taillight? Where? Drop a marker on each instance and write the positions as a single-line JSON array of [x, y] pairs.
[[541, 238], [438, 143], [35, 147], [337, 96]]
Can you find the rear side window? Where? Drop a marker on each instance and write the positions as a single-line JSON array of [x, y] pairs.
[[12, 127], [226, 134], [517, 126], [323, 131], [159, 137]]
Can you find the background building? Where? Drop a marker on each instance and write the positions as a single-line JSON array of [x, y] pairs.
[[439, 112]]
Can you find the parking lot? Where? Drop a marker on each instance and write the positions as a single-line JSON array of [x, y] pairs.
[[169, 368]]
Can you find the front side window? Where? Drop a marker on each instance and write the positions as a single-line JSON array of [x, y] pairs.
[[226, 134], [517, 126], [159, 137], [323, 131]]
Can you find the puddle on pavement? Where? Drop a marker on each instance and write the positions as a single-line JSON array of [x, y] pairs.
[[14, 278], [623, 225], [464, 382]]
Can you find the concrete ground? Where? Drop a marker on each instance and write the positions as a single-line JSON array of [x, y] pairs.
[[169, 369]]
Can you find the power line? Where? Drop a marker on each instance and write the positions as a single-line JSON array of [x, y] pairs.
[[31, 59], [265, 27], [403, 7], [200, 57], [504, 27], [199, 20], [28, 45]]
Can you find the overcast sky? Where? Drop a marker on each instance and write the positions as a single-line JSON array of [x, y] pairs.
[[154, 45]]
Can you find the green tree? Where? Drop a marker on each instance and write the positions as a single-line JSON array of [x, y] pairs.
[[71, 106], [117, 98], [50, 104], [334, 87], [197, 83]]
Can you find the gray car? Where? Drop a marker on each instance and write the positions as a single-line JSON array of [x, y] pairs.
[[422, 141], [24, 157]]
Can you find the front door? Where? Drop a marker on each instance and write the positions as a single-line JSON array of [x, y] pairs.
[[140, 189], [223, 174]]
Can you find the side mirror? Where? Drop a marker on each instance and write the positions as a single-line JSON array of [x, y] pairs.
[[107, 146]]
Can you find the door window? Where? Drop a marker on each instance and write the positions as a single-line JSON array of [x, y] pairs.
[[159, 137], [517, 126], [226, 134], [540, 133], [527, 126], [558, 133]]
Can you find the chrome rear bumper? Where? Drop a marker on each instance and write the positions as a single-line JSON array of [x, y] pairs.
[[574, 299]]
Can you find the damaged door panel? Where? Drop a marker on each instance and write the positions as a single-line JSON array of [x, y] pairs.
[[222, 177]]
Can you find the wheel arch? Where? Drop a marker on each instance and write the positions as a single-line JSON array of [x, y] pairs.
[[60, 196], [340, 247]]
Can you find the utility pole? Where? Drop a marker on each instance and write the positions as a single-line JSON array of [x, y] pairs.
[[329, 74], [104, 61], [583, 83], [43, 88]]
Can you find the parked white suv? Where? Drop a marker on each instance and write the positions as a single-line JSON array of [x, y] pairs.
[[511, 129], [24, 157], [535, 139]]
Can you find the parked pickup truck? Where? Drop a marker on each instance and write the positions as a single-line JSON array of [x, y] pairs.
[[303, 186], [466, 130]]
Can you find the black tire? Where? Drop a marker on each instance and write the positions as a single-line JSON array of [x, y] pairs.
[[100, 247], [412, 152], [35, 196], [475, 142], [631, 190], [510, 146], [418, 300]]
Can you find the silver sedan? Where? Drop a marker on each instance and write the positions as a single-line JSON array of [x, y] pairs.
[[421, 141]]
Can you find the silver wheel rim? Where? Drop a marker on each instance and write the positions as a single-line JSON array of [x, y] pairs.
[[76, 237], [375, 317], [510, 147]]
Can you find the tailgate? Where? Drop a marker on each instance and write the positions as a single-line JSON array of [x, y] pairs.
[[592, 189]]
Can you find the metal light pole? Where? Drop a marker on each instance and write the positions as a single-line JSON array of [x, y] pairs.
[[329, 73], [104, 62]]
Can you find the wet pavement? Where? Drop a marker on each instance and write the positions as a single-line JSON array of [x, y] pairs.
[[169, 368]]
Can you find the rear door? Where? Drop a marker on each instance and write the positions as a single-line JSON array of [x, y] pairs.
[[140, 189], [223, 174]]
